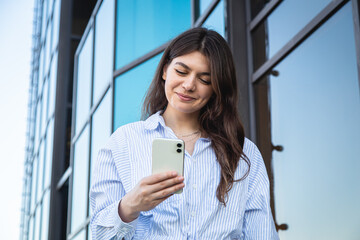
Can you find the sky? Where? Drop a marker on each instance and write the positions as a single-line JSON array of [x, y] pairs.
[[15, 57]]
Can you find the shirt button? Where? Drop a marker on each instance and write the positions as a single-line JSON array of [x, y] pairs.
[[194, 186], [193, 214]]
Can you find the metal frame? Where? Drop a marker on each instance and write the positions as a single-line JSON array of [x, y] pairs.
[[263, 14], [301, 36]]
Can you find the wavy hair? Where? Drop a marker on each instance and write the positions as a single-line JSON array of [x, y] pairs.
[[219, 118]]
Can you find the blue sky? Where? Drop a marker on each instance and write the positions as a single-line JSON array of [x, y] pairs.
[[15, 56]]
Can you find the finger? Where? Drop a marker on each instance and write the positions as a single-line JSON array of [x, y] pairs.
[[155, 178], [165, 184], [168, 191]]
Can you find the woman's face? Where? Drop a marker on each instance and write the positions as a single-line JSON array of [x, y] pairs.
[[187, 83]]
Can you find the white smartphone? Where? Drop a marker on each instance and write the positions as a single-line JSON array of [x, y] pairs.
[[168, 155]]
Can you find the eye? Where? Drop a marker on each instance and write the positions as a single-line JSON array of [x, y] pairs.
[[206, 82], [180, 72]]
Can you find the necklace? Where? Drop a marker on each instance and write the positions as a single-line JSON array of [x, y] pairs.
[[187, 135]]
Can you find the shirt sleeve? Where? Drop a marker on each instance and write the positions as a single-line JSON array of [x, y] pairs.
[[105, 194], [258, 221]]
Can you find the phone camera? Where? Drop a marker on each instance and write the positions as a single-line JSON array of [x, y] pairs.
[[179, 145], [178, 150]]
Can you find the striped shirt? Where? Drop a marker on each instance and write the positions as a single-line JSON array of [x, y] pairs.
[[194, 214]]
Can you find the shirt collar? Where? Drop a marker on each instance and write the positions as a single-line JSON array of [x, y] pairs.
[[152, 122]]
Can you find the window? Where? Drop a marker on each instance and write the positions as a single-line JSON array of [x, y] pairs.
[[130, 89]]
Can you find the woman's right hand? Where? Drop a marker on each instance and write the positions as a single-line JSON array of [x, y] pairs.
[[149, 193]]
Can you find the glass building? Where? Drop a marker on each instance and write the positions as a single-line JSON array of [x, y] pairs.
[[298, 68]]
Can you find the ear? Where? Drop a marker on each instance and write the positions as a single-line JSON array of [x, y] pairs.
[[164, 72]]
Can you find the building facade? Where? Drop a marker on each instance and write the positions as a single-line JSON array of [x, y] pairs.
[[298, 69]]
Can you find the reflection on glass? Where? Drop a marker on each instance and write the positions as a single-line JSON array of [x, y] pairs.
[[104, 48], [44, 101], [282, 25], [37, 226], [101, 127], [45, 216], [34, 183], [80, 236], [48, 158], [315, 115], [83, 88], [141, 26], [80, 180], [40, 172], [52, 87], [55, 31], [130, 89], [216, 20]]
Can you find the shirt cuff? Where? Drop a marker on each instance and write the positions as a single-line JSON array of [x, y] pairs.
[[127, 230]]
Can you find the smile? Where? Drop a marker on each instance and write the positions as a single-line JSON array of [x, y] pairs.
[[185, 97]]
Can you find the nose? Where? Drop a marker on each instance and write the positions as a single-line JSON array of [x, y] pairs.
[[189, 83]]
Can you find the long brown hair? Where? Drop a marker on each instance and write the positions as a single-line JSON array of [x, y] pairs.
[[219, 118]]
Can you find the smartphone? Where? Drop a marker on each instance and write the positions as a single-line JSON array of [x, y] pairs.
[[168, 155]]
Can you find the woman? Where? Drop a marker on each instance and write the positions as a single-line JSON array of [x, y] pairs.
[[193, 96]]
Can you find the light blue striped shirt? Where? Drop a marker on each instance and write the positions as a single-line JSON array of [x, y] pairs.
[[194, 214]]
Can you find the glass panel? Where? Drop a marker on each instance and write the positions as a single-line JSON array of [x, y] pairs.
[[315, 116], [216, 20], [48, 48], [277, 31], [44, 107], [80, 236], [130, 89], [80, 180], [34, 183], [52, 87], [45, 216], [37, 226], [101, 127], [56, 20], [164, 20], [40, 172], [49, 153], [84, 82], [104, 48]]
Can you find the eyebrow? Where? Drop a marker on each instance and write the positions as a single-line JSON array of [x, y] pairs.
[[188, 68]]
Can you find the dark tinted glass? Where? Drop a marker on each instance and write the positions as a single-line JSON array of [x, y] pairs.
[[315, 115], [281, 26]]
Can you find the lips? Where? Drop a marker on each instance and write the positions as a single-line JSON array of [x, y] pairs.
[[184, 97]]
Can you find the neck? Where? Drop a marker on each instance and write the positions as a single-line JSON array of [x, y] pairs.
[[181, 123]]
